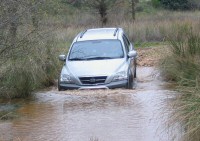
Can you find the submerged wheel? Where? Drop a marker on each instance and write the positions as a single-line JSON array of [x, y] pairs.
[[130, 81], [59, 88], [135, 73], [135, 70], [135, 76]]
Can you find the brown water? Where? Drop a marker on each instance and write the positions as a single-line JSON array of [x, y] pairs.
[[101, 115]]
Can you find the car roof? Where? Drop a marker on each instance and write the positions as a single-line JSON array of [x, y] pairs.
[[99, 34]]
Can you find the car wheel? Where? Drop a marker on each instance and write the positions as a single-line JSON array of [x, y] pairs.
[[135, 74], [59, 88], [135, 70], [130, 81]]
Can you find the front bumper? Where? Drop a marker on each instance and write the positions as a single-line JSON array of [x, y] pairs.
[[112, 85]]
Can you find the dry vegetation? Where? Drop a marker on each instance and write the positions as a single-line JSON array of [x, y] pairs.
[[27, 48]]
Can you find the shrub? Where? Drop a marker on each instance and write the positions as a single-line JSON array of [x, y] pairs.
[[27, 48], [29, 70], [183, 66], [155, 3], [176, 4]]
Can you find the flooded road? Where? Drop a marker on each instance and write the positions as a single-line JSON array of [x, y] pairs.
[[96, 115]]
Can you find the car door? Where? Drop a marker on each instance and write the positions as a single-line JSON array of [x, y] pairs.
[[129, 47]]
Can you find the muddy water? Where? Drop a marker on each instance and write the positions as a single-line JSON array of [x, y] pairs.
[[100, 115]]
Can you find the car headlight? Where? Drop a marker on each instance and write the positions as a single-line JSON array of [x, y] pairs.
[[66, 78], [120, 76]]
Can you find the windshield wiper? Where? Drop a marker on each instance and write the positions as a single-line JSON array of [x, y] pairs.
[[77, 59], [90, 58], [98, 58]]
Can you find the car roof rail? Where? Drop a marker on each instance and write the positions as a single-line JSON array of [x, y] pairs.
[[116, 30], [81, 36]]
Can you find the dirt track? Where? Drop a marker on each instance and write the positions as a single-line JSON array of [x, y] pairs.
[[149, 56]]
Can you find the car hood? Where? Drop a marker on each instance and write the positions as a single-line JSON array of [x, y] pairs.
[[95, 67]]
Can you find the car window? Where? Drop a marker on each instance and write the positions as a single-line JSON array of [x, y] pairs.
[[126, 44], [127, 40], [96, 49]]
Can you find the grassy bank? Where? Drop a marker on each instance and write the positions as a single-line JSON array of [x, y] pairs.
[[182, 66], [28, 47], [30, 65]]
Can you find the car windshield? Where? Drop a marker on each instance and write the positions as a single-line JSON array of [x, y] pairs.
[[98, 49]]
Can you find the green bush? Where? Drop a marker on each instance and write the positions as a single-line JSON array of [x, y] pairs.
[[176, 4], [155, 3]]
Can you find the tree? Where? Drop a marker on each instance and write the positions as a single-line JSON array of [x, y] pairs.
[[133, 9], [133, 5], [101, 7]]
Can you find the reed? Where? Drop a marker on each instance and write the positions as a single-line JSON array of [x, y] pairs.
[[182, 66]]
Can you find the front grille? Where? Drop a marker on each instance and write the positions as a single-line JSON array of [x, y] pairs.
[[93, 80]]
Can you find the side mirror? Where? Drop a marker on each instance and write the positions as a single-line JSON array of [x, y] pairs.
[[132, 54], [62, 57]]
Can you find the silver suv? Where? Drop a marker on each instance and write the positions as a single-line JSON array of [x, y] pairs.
[[99, 58]]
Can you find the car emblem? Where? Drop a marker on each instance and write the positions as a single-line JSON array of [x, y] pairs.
[[92, 80]]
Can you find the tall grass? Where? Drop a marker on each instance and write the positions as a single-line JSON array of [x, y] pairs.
[[148, 27], [29, 66], [182, 66]]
